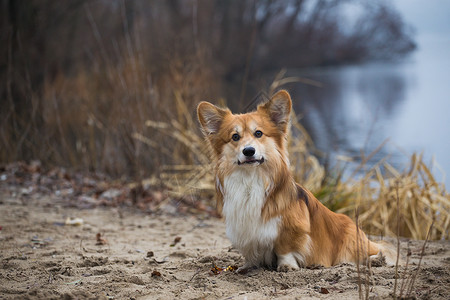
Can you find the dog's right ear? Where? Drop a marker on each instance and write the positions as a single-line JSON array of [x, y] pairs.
[[210, 117], [278, 108]]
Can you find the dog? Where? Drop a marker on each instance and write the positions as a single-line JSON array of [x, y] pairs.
[[273, 221]]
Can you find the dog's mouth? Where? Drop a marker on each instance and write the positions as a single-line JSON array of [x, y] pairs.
[[251, 161]]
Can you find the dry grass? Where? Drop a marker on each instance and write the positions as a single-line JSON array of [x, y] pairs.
[[90, 121], [421, 199]]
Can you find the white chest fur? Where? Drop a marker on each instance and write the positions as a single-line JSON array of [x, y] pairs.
[[244, 196]]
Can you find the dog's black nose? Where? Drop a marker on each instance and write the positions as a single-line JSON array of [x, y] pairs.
[[249, 151]]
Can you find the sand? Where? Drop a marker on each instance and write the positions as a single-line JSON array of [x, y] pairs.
[[125, 253]]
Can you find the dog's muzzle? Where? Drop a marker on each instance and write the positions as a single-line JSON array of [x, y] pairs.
[[251, 161]]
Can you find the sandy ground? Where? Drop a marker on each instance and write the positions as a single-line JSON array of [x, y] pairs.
[[167, 255]]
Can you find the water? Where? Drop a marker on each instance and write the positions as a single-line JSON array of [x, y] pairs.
[[360, 107]]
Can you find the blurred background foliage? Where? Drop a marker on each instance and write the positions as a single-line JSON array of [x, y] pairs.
[[80, 77]]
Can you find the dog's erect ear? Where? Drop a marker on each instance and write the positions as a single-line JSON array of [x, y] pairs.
[[210, 117], [279, 109]]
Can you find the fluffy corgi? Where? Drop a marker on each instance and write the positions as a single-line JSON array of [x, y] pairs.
[[270, 219]]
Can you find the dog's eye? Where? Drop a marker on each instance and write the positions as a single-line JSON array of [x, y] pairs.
[[235, 137], [258, 133]]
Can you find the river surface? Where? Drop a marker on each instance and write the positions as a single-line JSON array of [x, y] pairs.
[[359, 107]]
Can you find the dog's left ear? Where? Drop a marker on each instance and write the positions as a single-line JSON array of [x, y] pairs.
[[278, 109]]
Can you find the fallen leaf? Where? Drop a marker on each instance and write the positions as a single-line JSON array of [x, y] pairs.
[[100, 240], [231, 268], [175, 241], [215, 270]]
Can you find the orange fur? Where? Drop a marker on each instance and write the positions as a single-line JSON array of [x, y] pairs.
[[298, 230]]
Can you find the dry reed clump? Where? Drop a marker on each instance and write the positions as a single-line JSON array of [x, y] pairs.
[[183, 177], [422, 201]]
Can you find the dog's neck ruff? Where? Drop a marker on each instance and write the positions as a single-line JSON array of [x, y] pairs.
[[245, 192]]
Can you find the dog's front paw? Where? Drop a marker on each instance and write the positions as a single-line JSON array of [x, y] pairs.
[[287, 262], [287, 268], [245, 269]]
